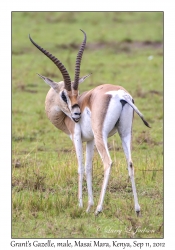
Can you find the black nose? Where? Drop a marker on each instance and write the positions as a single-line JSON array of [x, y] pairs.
[[77, 113]]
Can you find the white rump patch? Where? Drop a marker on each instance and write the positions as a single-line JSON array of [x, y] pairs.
[[120, 93]]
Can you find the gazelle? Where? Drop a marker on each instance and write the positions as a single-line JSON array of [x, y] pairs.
[[91, 117]]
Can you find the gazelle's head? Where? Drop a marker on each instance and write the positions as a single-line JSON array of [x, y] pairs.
[[67, 91]]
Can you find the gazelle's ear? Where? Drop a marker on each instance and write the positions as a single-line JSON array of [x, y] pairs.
[[51, 83], [81, 79]]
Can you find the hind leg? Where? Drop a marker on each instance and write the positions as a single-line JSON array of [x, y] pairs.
[[125, 132]]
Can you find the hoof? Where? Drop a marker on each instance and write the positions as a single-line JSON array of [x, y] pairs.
[[88, 209], [98, 210], [138, 213], [97, 213], [137, 209]]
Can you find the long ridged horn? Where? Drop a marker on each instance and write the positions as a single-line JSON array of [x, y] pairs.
[[60, 66], [78, 62]]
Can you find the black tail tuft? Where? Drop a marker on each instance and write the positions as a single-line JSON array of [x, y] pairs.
[[145, 122]]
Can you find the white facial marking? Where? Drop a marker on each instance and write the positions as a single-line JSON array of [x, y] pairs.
[[76, 114]]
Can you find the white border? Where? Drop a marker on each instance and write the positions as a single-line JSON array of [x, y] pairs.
[[5, 96]]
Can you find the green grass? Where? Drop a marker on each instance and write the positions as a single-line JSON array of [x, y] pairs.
[[44, 167]]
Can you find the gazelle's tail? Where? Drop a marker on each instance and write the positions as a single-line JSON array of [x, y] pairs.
[[126, 98]]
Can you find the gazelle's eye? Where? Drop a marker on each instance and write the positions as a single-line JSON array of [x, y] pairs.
[[63, 97]]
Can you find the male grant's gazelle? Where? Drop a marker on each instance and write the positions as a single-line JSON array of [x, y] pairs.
[[91, 117]]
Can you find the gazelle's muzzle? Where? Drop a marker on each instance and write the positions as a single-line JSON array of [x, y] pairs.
[[76, 113]]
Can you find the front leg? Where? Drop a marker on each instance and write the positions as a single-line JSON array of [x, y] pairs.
[[79, 152], [88, 170]]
